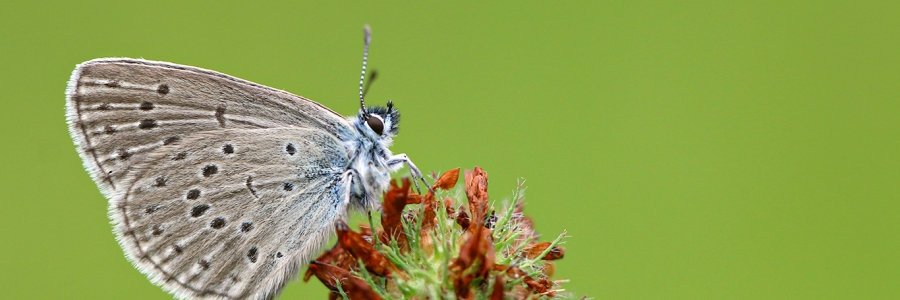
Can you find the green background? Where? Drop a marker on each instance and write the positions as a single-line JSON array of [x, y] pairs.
[[696, 150]]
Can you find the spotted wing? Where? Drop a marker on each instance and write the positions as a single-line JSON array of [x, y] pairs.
[[234, 214], [120, 110]]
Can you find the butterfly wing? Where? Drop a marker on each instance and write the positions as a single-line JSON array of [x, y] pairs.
[[232, 214], [120, 110]]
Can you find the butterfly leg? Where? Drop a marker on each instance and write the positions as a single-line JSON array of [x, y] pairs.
[[360, 199], [346, 194], [402, 158]]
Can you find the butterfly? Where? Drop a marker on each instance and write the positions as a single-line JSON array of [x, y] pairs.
[[220, 188]]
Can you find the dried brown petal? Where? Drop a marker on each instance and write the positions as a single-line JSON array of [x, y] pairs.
[[335, 256], [515, 273], [468, 252], [546, 283], [329, 274], [555, 253], [497, 293], [534, 285], [549, 269], [535, 250], [499, 267], [477, 251], [476, 192], [430, 214], [540, 287], [462, 289], [357, 246], [521, 292], [395, 199], [354, 287], [548, 286], [414, 199], [448, 180], [448, 206], [463, 219], [487, 249]]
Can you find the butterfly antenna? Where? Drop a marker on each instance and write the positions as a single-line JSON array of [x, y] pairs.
[[362, 102]]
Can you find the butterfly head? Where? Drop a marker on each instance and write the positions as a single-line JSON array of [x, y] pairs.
[[379, 122]]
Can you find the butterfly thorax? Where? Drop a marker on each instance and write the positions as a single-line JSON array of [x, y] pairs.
[[370, 158]]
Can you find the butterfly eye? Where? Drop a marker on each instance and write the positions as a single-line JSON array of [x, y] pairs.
[[376, 124]]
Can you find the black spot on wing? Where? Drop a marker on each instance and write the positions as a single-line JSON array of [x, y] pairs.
[[199, 210], [146, 105], [193, 194], [290, 149], [217, 223], [147, 124], [210, 170], [162, 89], [220, 115]]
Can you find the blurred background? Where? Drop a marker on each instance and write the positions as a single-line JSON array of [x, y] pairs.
[[693, 150]]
